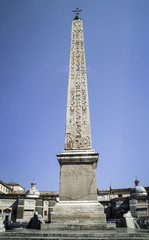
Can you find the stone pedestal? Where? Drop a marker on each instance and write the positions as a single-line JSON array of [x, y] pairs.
[[78, 207], [78, 175]]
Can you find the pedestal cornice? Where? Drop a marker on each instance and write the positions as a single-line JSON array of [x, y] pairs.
[[78, 157]]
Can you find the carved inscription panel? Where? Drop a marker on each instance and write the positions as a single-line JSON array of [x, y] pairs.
[[78, 134], [78, 182]]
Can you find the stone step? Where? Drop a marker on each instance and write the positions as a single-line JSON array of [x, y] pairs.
[[72, 235], [73, 238]]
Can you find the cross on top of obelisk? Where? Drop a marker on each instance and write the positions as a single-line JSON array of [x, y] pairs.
[[77, 13]]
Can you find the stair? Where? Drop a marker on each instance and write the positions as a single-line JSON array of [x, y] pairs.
[[31, 234]]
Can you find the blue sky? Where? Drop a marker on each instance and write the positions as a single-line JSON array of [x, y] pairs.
[[34, 60]]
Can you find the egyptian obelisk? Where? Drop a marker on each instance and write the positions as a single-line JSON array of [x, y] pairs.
[[78, 207]]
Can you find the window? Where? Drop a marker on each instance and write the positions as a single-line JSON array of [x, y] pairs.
[[46, 203], [142, 211], [28, 213], [45, 213], [30, 203], [141, 201]]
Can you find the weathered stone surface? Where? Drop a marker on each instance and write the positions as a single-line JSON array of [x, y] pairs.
[[54, 234], [78, 135], [78, 182], [78, 176], [78, 215]]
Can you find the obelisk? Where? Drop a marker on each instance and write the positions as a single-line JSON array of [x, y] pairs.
[[78, 134], [78, 207]]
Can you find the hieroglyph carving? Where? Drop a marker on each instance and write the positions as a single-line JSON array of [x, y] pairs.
[[78, 134]]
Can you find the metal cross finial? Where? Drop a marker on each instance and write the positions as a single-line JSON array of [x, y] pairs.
[[77, 12]]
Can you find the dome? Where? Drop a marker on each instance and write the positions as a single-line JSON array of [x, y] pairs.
[[32, 192], [138, 190]]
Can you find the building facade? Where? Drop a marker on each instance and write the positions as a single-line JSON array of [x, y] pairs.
[[20, 206], [117, 202]]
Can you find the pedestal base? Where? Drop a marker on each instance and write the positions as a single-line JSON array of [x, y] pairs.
[[78, 208], [77, 215]]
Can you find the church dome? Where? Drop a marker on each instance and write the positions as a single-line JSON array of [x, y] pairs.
[[138, 190], [32, 192]]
